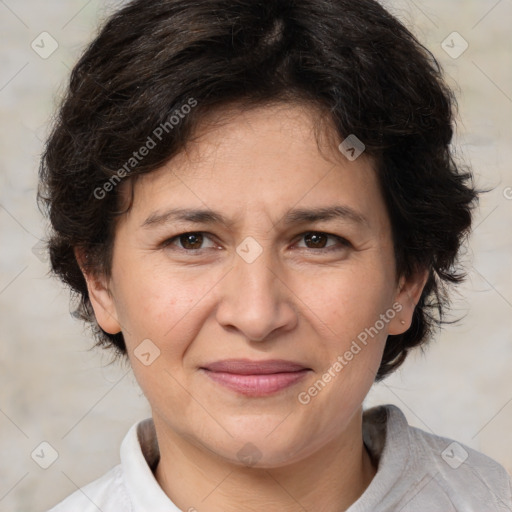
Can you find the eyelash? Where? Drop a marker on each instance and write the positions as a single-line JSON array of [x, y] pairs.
[[342, 241]]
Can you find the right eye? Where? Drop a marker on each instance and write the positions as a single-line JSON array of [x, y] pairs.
[[189, 242]]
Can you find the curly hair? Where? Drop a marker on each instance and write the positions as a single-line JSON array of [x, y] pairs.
[[353, 60]]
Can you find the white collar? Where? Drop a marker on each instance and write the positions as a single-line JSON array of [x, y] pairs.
[[143, 488]]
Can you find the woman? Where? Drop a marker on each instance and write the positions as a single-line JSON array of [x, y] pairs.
[[256, 203]]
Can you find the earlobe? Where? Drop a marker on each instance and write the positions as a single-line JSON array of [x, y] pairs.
[[101, 298], [408, 295]]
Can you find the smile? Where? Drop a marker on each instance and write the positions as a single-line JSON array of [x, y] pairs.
[[255, 378], [257, 385]]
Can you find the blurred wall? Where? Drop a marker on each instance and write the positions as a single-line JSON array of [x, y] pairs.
[[54, 389]]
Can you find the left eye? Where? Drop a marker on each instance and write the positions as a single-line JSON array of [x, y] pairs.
[[319, 239]]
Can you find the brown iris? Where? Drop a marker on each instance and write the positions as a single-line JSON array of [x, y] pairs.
[[316, 239], [191, 240]]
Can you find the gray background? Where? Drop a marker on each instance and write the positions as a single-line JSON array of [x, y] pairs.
[[54, 389]]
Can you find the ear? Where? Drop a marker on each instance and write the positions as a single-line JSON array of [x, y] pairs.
[[100, 296], [408, 295]]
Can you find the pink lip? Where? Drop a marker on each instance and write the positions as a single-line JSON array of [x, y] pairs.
[[255, 378]]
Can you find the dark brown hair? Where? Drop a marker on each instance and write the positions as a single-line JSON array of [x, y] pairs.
[[350, 58]]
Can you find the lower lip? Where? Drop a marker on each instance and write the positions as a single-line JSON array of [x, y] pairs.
[[257, 385]]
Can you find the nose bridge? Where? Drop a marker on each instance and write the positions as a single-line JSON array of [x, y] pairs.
[[255, 267]]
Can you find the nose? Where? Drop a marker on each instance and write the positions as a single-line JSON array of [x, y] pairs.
[[255, 299]]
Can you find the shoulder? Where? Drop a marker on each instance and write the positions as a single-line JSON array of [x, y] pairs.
[[463, 475], [107, 494], [130, 486], [462, 470]]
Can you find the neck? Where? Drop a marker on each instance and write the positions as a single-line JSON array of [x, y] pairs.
[[329, 480]]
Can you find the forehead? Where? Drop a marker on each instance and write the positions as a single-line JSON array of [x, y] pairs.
[[263, 161]]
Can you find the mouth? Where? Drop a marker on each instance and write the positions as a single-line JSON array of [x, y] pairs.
[[255, 378]]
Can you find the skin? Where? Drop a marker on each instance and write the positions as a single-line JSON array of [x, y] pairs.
[[202, 302]]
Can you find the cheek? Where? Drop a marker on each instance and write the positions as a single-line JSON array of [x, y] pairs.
[[347, 301], [162, 306], [351, 338], [163, 309]]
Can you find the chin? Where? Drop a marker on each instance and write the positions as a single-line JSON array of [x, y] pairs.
[[261, 447]]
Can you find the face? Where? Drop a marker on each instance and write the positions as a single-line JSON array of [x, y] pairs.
[[263, 319]]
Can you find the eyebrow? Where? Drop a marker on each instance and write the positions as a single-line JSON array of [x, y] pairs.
[[294, 216]]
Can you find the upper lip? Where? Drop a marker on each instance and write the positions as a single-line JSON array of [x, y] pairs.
[[250, 367]]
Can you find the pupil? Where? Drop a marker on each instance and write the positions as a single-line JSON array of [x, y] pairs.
[[191, 240], [315, 239]]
